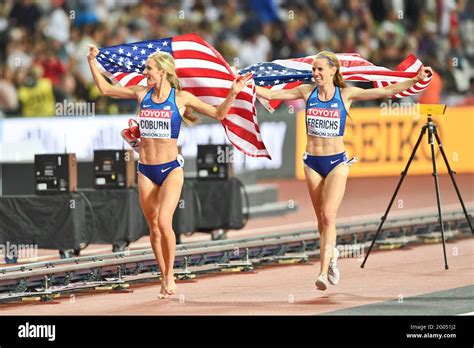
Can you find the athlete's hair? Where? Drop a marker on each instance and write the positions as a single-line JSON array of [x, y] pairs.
[[165, 61], [332, 60]]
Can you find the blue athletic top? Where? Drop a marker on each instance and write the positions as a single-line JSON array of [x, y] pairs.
[[159, 120], [325, 119]]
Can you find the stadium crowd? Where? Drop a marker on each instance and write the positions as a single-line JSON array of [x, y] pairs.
[[43, 43]]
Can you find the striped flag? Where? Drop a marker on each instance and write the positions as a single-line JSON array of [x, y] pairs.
[[202, 71], [410, 65], [287, 74]]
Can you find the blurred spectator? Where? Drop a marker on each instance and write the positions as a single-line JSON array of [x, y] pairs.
[[466, 27], [35, 93], [267, 13], [85, 12], [17, 56], [54, 34], [57, 23], [53, 68], [392, 37], [92, 34], [255, 47], [65, 91], [8, 96], [25, 14]]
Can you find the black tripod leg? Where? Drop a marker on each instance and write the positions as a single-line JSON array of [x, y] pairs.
[[435, 174], [403, 174], [451, 174]]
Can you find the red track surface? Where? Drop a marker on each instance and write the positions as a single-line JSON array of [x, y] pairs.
[[286, 290], [290, 289], [363, 197]]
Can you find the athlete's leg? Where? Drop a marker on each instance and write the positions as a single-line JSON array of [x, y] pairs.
[[169, 197], [315, 182], [331, 198], [149, 201]]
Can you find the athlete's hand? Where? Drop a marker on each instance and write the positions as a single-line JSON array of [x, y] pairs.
[[424, 73], [130, 139], [188, 112], [134, 128], [93, 52], [240, 82]]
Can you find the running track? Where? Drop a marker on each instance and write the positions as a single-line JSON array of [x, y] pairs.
[[400, 282]]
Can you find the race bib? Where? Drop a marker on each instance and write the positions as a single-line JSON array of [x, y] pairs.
[[155, 123], [322, 122]]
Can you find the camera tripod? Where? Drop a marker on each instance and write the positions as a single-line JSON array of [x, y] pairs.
[[432, 133]]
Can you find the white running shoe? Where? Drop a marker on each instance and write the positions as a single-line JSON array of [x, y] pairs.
[[333, 272], [322, 282]]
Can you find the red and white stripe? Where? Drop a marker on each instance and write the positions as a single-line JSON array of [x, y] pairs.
[[410, 65], [356, 68], [203, 72]]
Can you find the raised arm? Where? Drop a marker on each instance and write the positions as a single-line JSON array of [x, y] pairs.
[[282, 94], [355, 93], [104, 86], [220, 111]]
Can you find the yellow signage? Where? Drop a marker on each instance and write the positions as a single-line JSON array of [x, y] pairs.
[[431, 109], [383, 142]]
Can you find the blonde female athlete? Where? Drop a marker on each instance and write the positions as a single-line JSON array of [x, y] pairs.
[[326, 169], [160, 179]]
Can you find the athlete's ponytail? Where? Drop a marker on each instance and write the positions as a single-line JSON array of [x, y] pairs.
[[338, 79], [165, 61], [173, 80]]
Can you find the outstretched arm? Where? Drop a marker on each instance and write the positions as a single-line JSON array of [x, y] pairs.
[[282, 94], [220, 111], [355, 93], [105, 87]]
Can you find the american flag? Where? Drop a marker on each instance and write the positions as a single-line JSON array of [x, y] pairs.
[[289, 73], [202, 71]]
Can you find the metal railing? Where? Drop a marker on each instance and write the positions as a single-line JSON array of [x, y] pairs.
[[37, 279]]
